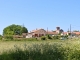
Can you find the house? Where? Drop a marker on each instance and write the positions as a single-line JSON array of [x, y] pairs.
[[77, 33], [35, 33], [29, 35], [65, 33], [41, 32], [24, 34], [52, 33], [58, 30], [38, 32], [72, 33]]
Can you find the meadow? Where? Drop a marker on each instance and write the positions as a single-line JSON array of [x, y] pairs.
[[40, 50]]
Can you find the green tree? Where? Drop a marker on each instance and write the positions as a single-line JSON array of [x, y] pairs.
[[0, 37], [24, 30], [14, 30]]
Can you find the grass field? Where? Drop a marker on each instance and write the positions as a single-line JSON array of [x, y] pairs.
[[40, 50]]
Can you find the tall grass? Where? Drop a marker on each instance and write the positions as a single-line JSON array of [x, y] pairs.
[[44, 50]]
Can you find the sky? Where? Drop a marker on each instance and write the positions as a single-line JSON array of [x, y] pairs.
[[40, 14]]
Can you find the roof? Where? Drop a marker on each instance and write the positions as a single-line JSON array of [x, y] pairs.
[[65, 32], [51, 32], [36, 30], [77, 33]]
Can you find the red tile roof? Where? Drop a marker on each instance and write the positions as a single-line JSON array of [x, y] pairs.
[[77, 33], [51, 32], [65, 32], [36, 30]]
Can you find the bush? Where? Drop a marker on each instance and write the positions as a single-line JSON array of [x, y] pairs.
[[42, 51], [75, 55], [9, 37], [56, 37], [36, 52], [66, 36], [49, 37], [43, 38], [0, 37]]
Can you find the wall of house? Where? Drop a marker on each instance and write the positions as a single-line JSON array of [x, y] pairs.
[[41, 31], [29, 36]]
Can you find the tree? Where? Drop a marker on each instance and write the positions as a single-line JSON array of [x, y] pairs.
[[0, 37], [24, 30], [14, 30]]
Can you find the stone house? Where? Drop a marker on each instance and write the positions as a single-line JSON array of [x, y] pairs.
[[41, 32], [35, 33]]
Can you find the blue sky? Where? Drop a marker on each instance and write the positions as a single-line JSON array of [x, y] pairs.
[[40, 14]]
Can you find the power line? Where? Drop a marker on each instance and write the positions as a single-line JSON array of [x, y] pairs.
[[75, 26]]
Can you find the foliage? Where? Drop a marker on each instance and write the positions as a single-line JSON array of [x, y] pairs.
[[43, 38], [60, 36], [31, 39], [43, 51], [66, 36], [56, 37], [9, 37], [14, 30], [1, 37], [24, 30], [40, 50], [49, 37]]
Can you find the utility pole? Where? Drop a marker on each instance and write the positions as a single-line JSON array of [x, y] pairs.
[[70, 30]]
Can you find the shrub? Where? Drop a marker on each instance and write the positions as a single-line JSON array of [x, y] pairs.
[[42, 51], [0, 37], [56, 37], [66, 36], [43, 38], [49, 37], [75, 55], [9, 37]]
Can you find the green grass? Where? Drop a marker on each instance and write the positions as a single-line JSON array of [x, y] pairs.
[[40, 50]]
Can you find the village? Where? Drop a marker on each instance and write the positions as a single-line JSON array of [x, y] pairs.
[[42, 32], [38, 33]]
